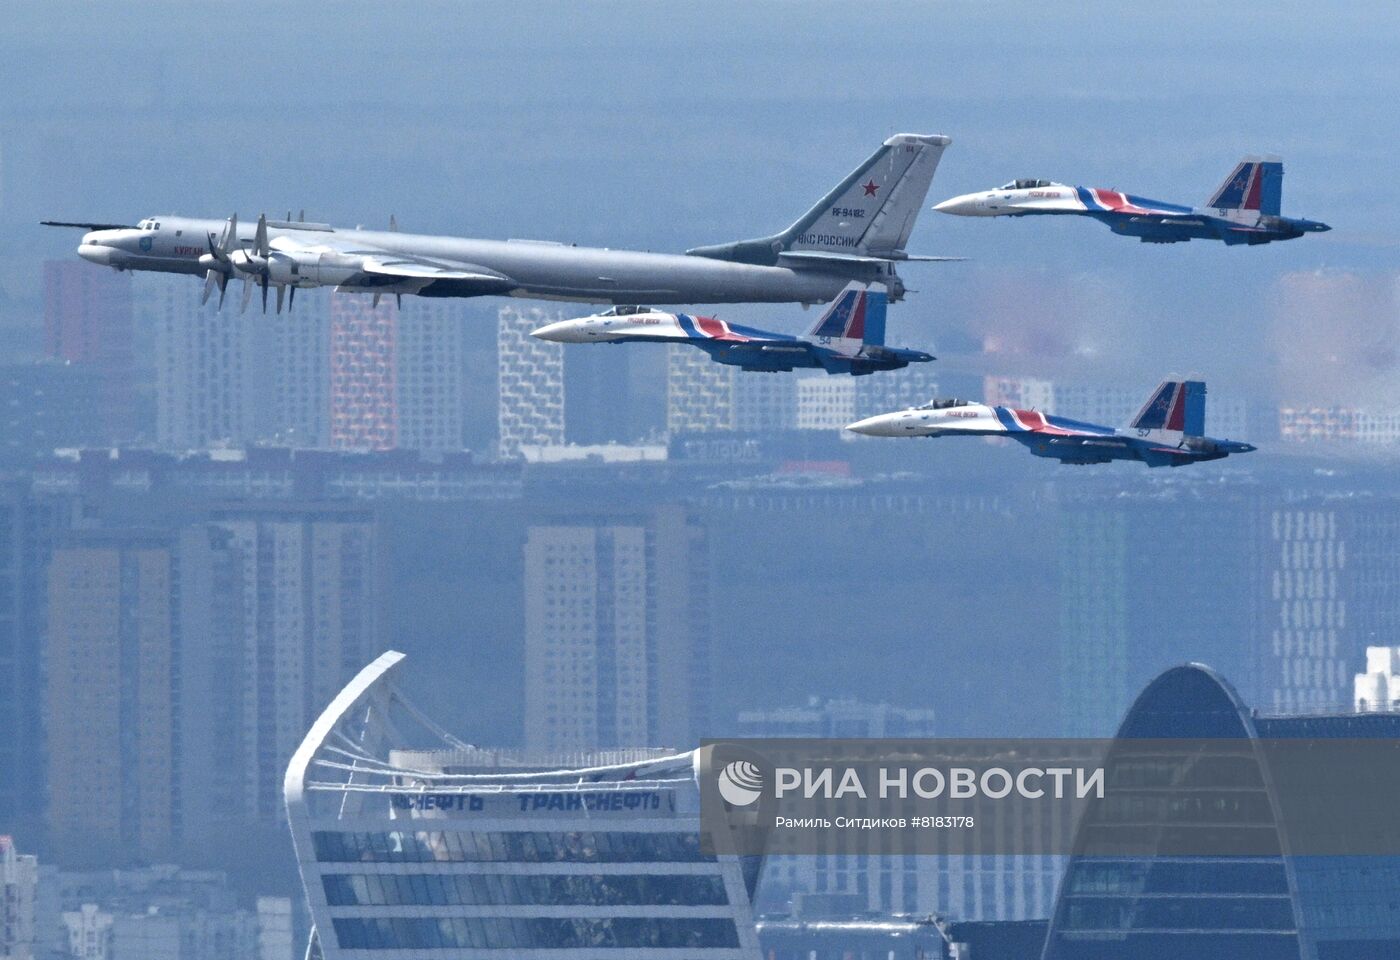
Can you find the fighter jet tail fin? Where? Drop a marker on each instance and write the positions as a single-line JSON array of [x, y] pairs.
[[1255, 185], [1176, 406], [868, 214], [856, 318]]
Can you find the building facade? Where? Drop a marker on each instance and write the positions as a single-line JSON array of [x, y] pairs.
[[211, 383], [88, 322], [1271, 905], [111, 697], [1377, 690], [364, 364], [19, 887], [616, 631], [530, 379], [445, 847]]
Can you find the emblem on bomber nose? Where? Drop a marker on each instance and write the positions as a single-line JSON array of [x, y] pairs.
[[145, 244], [740, 783]]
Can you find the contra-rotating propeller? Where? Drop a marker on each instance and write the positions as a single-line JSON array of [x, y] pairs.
[[217, 265]]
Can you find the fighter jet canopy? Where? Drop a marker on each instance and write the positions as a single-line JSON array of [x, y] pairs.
[[939, 403], [1026, 184]]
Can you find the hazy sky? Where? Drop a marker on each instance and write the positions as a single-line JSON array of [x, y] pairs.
[[665, 125]]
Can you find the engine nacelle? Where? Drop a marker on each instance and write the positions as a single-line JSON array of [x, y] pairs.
[[301, 268]]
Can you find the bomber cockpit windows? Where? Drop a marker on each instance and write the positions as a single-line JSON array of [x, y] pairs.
[[1026, 184], [944, 404], [144, 225]]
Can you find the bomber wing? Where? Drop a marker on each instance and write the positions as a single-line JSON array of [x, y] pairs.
[[354, 266]]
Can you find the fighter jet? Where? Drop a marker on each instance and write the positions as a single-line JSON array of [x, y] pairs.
[[848, 338], [856, 232], [1244, 210], [1167, 432]]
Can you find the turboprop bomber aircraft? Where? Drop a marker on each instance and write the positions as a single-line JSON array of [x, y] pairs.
[[858, 231]]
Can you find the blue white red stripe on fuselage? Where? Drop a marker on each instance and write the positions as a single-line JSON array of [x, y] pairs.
[[1033, 421], [710, 328], [1096, 199]]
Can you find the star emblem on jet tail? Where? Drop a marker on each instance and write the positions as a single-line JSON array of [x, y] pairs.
[[871, 187]]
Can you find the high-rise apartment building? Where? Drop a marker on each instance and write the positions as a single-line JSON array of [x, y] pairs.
[[530, 404], [825, 402], [308, 617], [29, 523], [19, 885], [111, 699], [210, 383], [88, 322], [430, 374], [616, 631], [699, 392], [364, 367]]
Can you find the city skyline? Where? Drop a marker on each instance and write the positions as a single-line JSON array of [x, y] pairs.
[[221, 530]]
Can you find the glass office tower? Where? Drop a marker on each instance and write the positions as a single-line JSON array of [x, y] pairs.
[[447, 850], [1269, 905]]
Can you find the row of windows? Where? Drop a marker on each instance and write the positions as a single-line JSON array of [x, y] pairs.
[[429, 846], [1198, 807], [1089, 913], [387, 889], [418, 933], [1178, 876]]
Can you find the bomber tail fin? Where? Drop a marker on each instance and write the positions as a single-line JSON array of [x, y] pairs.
[[868, 214], [1176, 406], [1255, 185], [856, 318]]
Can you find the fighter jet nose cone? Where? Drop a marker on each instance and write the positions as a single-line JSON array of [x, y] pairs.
[[869, 427], [550, 331], [948, 206]]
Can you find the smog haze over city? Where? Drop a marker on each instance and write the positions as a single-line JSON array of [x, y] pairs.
[[240, 510]]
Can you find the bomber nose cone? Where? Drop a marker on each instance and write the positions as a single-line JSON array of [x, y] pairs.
[[94, 248]]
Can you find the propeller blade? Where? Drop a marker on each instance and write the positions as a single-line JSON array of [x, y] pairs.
[[281, 290], [230, 235], [210, 279], [398, 300], [223, 289], [247, 295], [291, 298], [289, 216], [393, 224], [375, 304], [261, 237], [302, 217], [262, 282]]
